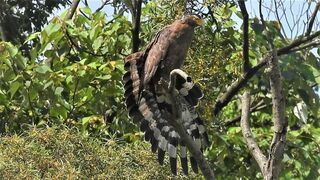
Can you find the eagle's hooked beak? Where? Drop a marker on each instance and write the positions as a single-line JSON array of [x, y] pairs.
[[199, 21]]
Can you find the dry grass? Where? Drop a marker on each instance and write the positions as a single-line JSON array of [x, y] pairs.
[[54, 153]]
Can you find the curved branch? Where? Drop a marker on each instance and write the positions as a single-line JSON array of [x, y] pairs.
[[254, 149]]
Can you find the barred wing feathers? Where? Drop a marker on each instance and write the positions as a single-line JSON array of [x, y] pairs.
[[146, 106]]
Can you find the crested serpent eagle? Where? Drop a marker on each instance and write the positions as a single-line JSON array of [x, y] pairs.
[[146, 86]]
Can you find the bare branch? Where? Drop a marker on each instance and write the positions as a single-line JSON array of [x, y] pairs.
[[296, 43], [72, 9], [306, 46], [102, 6], [86, 3], [313, 17], [224, 98], [261, 15], [136, 15], [279, 19], [277, 145], [245, 45], [176, 123], [120, 14], [254, 149]]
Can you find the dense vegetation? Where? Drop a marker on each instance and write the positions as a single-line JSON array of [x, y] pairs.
[[63, 154], [70, 75]]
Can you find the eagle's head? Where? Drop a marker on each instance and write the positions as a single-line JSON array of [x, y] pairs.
[[192, 20]]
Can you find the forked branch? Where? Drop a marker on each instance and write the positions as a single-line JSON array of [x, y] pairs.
[[254, 149]]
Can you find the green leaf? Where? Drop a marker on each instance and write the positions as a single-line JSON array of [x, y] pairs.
[[87, 10], [43, 69], [97, 43], [48, 84], [94, 32], [32, 36], [52, 28], [58, 91], [14, 88], [13, 51], [85, 120], [58, 110], [69, 79], [105, 77]]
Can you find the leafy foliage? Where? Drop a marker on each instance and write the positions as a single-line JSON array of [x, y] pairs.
[[73, 75]]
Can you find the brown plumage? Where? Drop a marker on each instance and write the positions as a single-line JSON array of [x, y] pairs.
[[146, 81]]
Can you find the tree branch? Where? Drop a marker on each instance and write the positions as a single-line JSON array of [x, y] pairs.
[[313, 17], [305, 46], [136, 15], [296, 43], [102, 6], [254, 149], [277, 145], [245, 45], [72, 9], [225, 97], [177, 124]]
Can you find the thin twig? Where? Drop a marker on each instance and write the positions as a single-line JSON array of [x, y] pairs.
[[313, 17], [102, 6]]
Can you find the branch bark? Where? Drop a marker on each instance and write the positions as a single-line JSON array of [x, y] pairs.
[[277, 145], [254, 149], [245, 43], [136, 15], [313, 17], [176, 123], [72, 9]]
